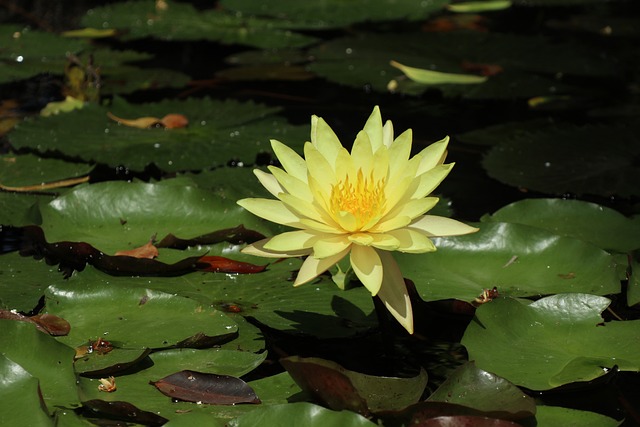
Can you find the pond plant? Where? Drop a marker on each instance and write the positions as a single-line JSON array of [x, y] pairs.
[[171, 237]]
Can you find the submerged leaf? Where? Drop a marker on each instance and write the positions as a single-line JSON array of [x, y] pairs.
[[225, 265], [123, 411], [213, 389]]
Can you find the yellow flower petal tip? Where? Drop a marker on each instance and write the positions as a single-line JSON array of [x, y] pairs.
[[366, 203]]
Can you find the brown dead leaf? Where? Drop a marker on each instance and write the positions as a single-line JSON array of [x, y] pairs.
[[148, 251], [482, 69], [174, 121]]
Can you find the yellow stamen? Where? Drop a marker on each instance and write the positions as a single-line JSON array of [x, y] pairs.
[[364, 199]]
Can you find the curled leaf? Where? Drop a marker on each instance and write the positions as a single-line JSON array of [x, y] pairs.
[[199, 387], [148, 251], [430, 77], [47, 323]]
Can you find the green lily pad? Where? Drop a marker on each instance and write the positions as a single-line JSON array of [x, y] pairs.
[[19, 209], [23, 281], [135, 318], [570, 159], [29, 170], [215, 132], [633, 288], [365, 60], [46, 359], [114, 216], [20, 400], [552, 416], [478, 389], [554, 341], [212, 361], [29, 52], [336, 13], [517, 259], [98, 364], [602, 226], [318, 308], [299, 414], [181, 21]]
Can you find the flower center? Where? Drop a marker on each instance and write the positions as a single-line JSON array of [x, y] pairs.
[[364, 198]]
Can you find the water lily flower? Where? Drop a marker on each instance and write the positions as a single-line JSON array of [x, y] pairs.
[[364, 204]]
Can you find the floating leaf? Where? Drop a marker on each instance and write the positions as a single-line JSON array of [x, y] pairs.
[[98, 364], [123, 411], [479, 6], [169, 121], [554, 341], [21, 391], [225, 265], [181, 21], [42, 357], [487, 392], [69, 104], [341, 388], [299, 414], [570, 159], [47, 323], [593, 223], [137, 318], [519, 260], [213, 389], [27, 170], [430, 77], [216, 130], [552, 416]]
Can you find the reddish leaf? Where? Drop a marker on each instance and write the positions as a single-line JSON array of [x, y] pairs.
[[218, 264], [332, 387], [122, 411], [47, 323], [482, 69], [214, 389], [147, 251], [174, 121]]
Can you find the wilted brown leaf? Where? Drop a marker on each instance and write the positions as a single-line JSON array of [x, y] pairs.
[[214, 389], [170, 121], [218, 264], [47, 323], [148, 251]]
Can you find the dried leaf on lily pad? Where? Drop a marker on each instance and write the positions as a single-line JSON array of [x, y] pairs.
[[170, 121], [48, 323], [147, 251], [199, 387], [122, 411], [102, 365], [218, 264], [341, 388]]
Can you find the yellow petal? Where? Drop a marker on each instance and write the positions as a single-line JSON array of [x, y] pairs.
[[362, 155], [440, 226], [361, 238], [393, 292], [400, 151], [271, 210], [329, 246], [312, 267], [290, 160], [319, 169], [429, 180], [302, 208], [257, 249], [433, 155], [411, 209], [386, 242], [291, 241], [269, 182], [392, 223], [367, 266], [324, 139], [291, 184], [373, 128], [320, 226], [347, 221], [387, 134], [412, 241]]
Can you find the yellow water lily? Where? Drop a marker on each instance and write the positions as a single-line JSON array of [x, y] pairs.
[[365, 203]]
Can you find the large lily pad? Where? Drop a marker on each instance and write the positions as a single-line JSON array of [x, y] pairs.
[[365, 60], [554, 341], [46, 359], [216, 131], [336, 13], [180, 21], [552, 416], [30, 170], [136, 318], [570, 159], [300, 414], [517, 259], [602, 226], [20, 396], [115, 216]]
